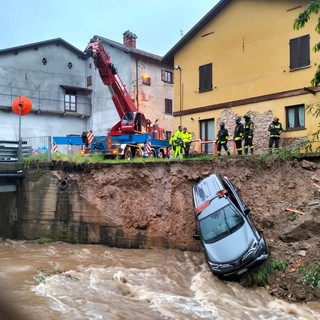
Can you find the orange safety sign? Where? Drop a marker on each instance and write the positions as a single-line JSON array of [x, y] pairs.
[[90, 137], [148, 146], [54, 147]]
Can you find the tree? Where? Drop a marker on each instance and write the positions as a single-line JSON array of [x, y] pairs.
[[312, 8]]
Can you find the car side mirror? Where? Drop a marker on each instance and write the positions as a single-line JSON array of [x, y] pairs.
[[196, 236], [247, 210]]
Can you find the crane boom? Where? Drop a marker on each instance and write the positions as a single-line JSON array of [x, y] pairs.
[[131, 120]]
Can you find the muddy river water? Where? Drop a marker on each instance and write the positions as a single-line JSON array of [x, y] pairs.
[[65, 281]]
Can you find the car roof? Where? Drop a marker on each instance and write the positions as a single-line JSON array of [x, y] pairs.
[[207, 189]]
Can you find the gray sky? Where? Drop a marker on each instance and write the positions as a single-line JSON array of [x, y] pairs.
[[158, 25]]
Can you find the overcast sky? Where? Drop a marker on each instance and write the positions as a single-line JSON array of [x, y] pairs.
[[158, 25]]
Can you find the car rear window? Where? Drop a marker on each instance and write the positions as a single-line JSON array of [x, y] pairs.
[[220, 223]]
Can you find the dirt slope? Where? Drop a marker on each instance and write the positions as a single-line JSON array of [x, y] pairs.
[[158, 197]]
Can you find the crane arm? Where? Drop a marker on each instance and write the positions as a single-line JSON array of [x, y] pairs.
[[109, 77]]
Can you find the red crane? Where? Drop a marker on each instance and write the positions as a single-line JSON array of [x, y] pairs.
[[131, 120]]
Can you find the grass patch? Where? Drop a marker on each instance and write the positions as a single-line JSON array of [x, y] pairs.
[[261, 276], [261, 160], [44, 240], [311, 276]]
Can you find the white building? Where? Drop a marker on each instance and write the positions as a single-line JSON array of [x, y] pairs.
[[67, 94]]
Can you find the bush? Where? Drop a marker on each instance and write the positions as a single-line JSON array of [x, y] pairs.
[[311, 276], [261, 276]]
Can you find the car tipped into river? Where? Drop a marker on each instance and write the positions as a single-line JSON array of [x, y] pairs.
[[232, 244]]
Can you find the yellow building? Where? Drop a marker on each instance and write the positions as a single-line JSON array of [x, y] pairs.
[[245, 56]]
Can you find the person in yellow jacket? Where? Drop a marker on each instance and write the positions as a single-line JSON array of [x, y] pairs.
[[186, 138], [176, 143]]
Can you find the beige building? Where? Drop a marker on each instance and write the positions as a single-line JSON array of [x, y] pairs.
[[245, 56]]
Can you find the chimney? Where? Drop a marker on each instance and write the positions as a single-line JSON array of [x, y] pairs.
[[129, 39]]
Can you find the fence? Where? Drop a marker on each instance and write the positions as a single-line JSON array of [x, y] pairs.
[[10, 150], [38, 145], [210, 147]]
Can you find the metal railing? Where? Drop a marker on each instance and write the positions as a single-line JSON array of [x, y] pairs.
[[210, 147], [37, 146]]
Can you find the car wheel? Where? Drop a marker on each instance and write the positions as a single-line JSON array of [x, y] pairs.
[[152, 154], [128, 154], [161, 154], [138, 153]]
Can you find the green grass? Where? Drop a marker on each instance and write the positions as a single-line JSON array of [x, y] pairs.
[[44, 240], [311, 276], [259, 159], [261, 276]]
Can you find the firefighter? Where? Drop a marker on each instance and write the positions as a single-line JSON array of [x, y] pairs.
[[238, 135], [275, 129], [186, 138], [176, 143], [223, 137], [248, 134]]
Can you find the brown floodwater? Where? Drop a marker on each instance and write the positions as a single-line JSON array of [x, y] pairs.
[[64, 281]]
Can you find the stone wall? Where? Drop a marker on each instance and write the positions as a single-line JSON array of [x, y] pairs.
[[261, 124]]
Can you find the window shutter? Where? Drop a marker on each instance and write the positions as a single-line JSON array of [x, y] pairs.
[[300, 52], [305, 50], [205, 77], [163, 72], [168, 106]]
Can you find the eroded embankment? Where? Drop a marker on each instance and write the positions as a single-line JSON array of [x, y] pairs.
[[150, 204], [145, 205]]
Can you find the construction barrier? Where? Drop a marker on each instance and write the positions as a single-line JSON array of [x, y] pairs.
[[210, 147]]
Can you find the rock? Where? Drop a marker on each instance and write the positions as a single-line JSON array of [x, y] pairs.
[[308, 165], [300, 293], [306, 227], [302, 253]]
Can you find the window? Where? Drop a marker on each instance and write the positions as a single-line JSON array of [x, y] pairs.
[[300, 52], [167, 76], [168, 106], [146, 81], [89, 81], [70, 102], [295, 117], [207, 134], [205, 77]]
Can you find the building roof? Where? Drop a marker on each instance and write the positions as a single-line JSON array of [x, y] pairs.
[[129, 49], [36, 45], [169, 56]]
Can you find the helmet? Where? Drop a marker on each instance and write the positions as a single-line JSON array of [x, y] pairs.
[[247, 115], [221, 124], [238, 119]]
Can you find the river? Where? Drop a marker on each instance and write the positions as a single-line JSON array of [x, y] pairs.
[[65, 281]]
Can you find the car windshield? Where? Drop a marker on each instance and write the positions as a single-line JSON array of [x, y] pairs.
[[220, 223]]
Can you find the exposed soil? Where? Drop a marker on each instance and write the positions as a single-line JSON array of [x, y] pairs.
[[293, 237], [270, 187]]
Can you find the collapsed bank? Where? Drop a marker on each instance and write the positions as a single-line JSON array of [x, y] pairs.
[[149, 205]]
